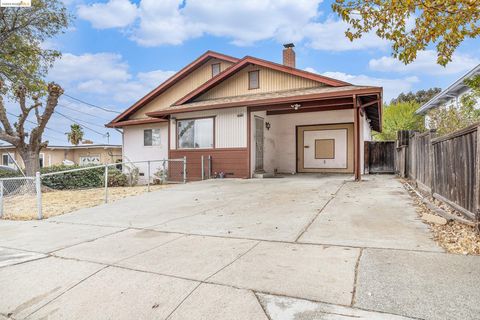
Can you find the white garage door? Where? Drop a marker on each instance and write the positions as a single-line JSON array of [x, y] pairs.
[[325, 149]]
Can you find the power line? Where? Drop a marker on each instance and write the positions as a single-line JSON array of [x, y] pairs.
[[84, 121], [29, 121], [93, 130], [91, 105], [83, 112]]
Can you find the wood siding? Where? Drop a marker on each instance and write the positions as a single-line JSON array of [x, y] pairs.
[[269, 80], [191, 82], [233, 162], [230, 127]]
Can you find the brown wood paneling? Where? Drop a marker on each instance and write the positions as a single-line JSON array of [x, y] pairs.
[[234, 162]]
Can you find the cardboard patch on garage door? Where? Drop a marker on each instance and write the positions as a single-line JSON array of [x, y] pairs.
[[325, 149]]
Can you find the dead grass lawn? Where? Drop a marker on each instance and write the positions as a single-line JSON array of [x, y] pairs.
[[55, 203]]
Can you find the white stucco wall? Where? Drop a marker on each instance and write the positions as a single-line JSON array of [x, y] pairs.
[[365, 135], [134, 150], [230, 126], [280, 141]]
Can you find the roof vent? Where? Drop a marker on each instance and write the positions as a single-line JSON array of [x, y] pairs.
[[289, 55]]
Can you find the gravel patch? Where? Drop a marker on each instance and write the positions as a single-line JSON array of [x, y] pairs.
[[454, 237]]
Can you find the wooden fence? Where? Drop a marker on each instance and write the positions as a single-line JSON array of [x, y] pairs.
[[379, 156], [447, 167]]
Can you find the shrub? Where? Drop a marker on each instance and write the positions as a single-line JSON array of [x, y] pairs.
[[9, 174], [116, 178], [92, 178]]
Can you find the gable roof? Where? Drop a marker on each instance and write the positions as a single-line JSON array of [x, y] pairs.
[[269, 98], [452, 91], [170, 82], [260, 62]]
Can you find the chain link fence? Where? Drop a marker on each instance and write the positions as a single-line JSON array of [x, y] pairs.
[[59, 190], [19, 196]]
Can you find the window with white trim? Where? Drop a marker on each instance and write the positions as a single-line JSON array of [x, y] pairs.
[[195, 133], [41, 160], [151, 137], [7, 160], [90, 159], [253, 79], [215, 69]]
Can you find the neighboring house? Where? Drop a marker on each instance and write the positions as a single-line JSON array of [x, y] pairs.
[[451, 96], [56, 155], [252, 116]]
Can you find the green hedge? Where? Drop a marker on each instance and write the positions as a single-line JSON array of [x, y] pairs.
[[85, 179], [9, 174]]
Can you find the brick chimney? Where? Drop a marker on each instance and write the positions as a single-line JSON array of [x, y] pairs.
[[289, 55]]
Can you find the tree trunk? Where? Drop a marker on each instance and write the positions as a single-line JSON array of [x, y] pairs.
[[31, 160]]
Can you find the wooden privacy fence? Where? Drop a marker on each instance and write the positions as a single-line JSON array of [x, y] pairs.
[[379, 156], [447, 167]]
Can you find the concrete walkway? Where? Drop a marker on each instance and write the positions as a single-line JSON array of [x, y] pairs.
[[301, 247]]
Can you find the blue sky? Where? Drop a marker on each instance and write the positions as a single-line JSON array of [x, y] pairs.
[[118, 50]]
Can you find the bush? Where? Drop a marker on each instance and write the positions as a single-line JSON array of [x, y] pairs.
[[92, 178], [116, 178], [9, 174]]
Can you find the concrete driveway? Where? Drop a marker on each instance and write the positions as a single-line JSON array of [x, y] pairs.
[[298, 247]]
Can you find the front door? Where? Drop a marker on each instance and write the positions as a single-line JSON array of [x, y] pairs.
[[325, 148], [259, 124]]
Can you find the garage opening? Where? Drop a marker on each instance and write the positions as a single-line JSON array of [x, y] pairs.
[[325, 148]]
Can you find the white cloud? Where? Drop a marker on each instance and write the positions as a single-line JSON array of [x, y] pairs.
[[330, 36], [425, 63], [102, 66], [105, 75], [113, 14], [391, 87], [172, 22]]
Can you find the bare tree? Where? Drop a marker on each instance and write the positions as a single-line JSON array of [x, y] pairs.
[[29, 144]]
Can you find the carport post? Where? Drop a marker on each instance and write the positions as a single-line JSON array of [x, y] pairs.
[[148, 176], [106, 183], [1, 198], [209, 167], [185, 169], [164, 177], [38, 188], [203, 167]]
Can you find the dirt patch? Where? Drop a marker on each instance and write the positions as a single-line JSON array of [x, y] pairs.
[[55, 203], [454, 236]]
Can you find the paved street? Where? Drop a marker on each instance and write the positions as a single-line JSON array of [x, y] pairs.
[[298, 247]]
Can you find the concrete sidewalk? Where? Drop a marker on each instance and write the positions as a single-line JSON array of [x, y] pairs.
[[304, 247]]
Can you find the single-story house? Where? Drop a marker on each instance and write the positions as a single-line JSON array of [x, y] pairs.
[[85, 154], [451, 96], [253, 116]]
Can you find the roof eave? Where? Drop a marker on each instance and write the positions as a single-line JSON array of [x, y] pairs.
[[259, 102], [456, 86], [171, 81]]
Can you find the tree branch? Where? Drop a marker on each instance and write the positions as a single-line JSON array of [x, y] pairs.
[[7, 127], [54, 92]]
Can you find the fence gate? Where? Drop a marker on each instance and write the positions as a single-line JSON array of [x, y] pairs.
[[379, 156]]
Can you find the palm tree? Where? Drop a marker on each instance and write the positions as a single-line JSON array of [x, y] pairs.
[[75, 135]]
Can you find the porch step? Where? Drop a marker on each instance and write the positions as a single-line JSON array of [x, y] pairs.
[[263, 175]]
